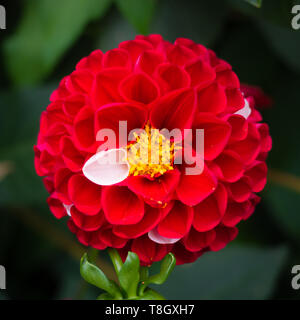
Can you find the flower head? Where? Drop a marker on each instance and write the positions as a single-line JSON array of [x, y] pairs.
[[136, 192]]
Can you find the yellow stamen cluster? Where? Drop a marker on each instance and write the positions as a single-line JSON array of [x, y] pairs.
[[152, 154]]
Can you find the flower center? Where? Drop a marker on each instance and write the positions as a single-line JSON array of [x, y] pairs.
[[152, 154]]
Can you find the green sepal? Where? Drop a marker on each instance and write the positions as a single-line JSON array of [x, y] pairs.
[[129, 275], [167, 265]]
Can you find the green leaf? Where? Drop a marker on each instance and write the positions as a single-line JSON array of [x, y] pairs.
[[47, 29], [129, 274], [236, 272], [93, 275], [166, 267], [255, 3], [138, 13]]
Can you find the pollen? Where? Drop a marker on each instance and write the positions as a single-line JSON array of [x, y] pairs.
[[151, 154]]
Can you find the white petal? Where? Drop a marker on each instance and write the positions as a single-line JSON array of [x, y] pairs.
[[106, 168], [68, 208], [245, 111], [156, 237]]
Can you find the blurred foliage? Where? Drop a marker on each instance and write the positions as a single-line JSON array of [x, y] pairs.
[[44, 40]]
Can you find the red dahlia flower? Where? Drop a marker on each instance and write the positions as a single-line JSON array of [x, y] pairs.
[[152, 208]]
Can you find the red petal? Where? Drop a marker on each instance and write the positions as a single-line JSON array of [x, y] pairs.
[[180, 55], [235, 213], [84, 129], [56, 207], [231, 166], [172, 77], [149, 221], [257, 175], [80, 81], [174, 111], [212, 99], [209, 212], [196, 241], [73, 159], [184, 256], [201, 74], [235, 100], [228, 79], [193, 189], [239, 126], [87, 223], [248, 149], [109, 116], [157, 189], [177, 223], [121, 206], [153, 39], [73, 104], [93, 62], [240, 191], [139, 87], [223, 236], [53, 137], [105, 89], [265, 138], [135, 48], [116, 58], [85, 195], [61, 179], [149, 251], [107, 236], [216, 134], [148, 61]]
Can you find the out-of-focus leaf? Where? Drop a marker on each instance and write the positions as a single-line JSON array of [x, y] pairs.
[[115, 30], [138, 13], [200, 21], [255, 3], [278, 12], [285, 43], [19, 123], [22, 185], [47, 29], [254, 64], [20, 111], [236, 272], [285, 207]]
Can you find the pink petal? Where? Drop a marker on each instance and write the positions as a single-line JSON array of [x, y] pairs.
[[107, 167]]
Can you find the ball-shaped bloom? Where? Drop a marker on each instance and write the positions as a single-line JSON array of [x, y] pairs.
[[156, 207]]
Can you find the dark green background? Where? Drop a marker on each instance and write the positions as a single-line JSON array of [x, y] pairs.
[[44, 40]]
